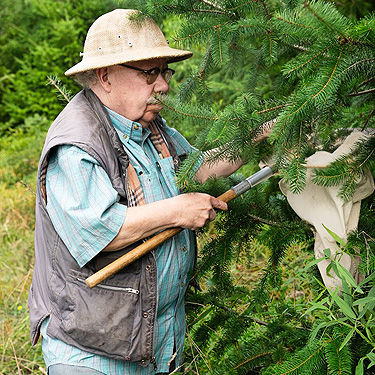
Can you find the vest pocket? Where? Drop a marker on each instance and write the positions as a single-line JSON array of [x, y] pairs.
[[101, 320]]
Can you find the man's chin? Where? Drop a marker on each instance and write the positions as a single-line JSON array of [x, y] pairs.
[[148, 118]]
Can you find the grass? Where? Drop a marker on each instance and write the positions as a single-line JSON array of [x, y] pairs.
[[19, 155], [16, 265]]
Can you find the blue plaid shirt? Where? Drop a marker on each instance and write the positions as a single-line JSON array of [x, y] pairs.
[[84, 209]]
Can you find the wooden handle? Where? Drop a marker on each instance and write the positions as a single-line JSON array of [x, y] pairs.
[[227, 196], [141, 250], [131, 256]]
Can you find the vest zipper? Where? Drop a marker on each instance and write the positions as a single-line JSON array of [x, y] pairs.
[[115, 288], [153, 361]]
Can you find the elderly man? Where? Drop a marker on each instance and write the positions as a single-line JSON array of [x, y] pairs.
[[106, 181]]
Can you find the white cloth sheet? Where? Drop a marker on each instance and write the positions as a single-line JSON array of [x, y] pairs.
[[319, 205]]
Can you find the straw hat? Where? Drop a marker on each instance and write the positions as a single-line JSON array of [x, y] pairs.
[[115, 39]]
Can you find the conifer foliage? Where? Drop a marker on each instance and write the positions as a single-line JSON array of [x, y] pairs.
[[325, 86], [305, 70]]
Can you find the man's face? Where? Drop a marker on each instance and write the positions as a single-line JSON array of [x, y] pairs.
[[130, 94]]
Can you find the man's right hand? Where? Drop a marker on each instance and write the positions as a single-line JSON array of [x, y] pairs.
[[194, 210]]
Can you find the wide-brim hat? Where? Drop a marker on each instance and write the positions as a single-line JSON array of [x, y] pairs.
[[115, 38]]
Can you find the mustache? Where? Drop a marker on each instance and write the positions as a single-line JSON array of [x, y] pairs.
[[156, 99]]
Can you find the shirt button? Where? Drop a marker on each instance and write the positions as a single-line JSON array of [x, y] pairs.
[[182, 284], [184, 248], [145, 314], [148, 267], [136, 126], [125, 136]]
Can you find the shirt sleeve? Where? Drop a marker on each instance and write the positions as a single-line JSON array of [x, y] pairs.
[[82, 203]]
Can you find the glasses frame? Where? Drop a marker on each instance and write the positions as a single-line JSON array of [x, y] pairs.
[[152, 78]]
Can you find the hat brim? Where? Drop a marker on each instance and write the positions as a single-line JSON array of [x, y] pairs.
[[170, 54]]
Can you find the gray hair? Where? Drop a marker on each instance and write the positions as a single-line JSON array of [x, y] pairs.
[[86, 79]]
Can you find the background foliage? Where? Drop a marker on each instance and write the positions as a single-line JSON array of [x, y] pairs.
[[309, 64]]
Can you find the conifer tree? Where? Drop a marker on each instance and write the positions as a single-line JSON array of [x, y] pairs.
[[306, 69]]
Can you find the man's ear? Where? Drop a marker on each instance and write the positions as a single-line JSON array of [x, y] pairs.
[[103, 77]]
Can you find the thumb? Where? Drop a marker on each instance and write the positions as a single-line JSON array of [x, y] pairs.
[[217, 203]]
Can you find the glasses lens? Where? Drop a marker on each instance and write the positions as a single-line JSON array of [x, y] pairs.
[[167, 74], [152, 75]]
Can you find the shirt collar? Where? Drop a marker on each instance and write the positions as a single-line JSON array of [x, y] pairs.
[[127, 129]]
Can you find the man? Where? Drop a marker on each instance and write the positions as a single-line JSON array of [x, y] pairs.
[[106, 181]]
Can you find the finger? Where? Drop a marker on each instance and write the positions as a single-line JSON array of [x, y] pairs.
[[217, 203], [212, 215]]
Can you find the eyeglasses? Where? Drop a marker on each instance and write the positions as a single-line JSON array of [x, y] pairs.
[[152, 74]]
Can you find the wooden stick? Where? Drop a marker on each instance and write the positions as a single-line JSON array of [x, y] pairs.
[[131, 256]]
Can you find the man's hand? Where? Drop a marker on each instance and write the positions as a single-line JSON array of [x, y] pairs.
[[194, 210]]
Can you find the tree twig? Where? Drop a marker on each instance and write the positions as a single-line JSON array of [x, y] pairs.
[[212, 4], [251, 359], [54, 81], [362, 92], [266, 10], [264, 221], [367, 81], [208, 11], [368, 119]]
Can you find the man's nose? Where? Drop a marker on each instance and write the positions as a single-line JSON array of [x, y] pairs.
[[161, 85]]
